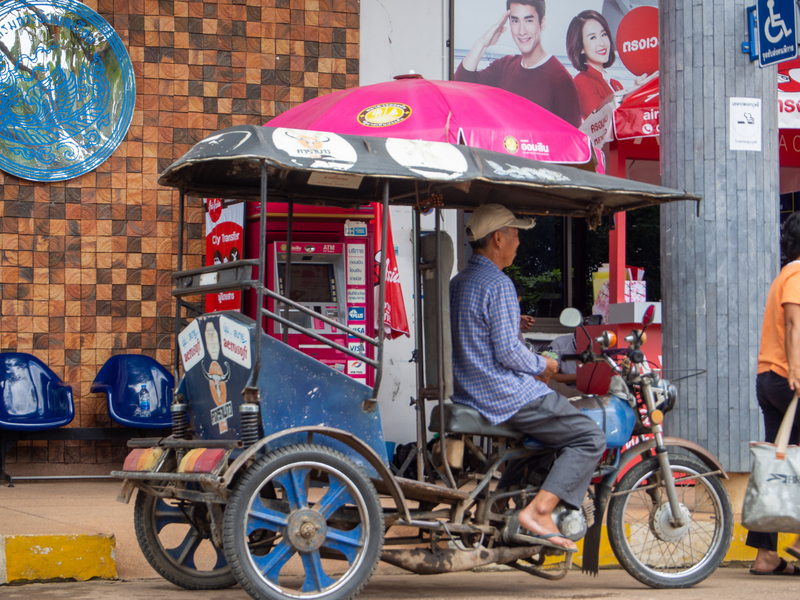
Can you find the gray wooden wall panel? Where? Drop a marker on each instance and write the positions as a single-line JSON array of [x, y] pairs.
[[717, 266]]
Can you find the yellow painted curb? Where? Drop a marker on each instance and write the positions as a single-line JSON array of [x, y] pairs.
[[31, 558]]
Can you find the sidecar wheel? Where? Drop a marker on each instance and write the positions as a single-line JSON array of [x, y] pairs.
[[322, 517], [648, 546], [175, 539]]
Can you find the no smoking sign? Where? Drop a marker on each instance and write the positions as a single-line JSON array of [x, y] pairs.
[[745, 124]]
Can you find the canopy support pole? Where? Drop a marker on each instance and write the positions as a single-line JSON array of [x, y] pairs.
[[369, 405], [287, 268], [616, 237]]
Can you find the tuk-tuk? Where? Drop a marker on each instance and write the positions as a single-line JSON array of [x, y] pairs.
[[276, 475]]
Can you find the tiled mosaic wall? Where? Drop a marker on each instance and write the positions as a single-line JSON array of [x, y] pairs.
[[85, 264]]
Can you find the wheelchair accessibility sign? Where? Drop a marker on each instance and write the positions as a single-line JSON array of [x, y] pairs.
[[777, 31]]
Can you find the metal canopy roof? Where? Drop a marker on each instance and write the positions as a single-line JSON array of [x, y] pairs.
[[344, 170]]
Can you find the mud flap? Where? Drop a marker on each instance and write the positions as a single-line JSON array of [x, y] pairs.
[[125, 493], [591, 543]]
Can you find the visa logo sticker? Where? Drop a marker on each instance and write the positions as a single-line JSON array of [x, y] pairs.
[[358, 346], [358, 327], [356, 313], [356, 296], [356, 367]]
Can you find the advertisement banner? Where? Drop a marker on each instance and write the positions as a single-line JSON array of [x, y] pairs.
[[637, 115], [577, 59], [224, 243], [395, 321], [789, 95]]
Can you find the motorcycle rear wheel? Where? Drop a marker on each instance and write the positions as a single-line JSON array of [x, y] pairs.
[[648, 546]]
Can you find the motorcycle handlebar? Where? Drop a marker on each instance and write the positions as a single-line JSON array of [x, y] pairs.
[[570, 357]]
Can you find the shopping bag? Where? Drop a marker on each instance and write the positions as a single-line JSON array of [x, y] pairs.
[[772, 500]]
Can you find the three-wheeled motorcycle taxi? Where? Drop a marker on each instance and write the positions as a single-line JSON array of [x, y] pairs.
[[276, 475]]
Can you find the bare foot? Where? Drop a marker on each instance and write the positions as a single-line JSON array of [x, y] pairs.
[[539, 525]]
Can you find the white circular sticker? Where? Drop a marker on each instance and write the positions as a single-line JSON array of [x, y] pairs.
[[329, 150], [434, 160]]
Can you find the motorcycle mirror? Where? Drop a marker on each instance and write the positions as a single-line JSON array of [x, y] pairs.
[[649, 314], [570, 317]]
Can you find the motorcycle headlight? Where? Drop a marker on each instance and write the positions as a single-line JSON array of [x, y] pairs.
[[672, 390], [666, 396]]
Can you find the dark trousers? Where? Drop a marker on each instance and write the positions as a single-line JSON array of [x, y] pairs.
[[774, 396], [578, 441]]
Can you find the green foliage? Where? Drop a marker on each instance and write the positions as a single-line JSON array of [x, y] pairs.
[[537, 289]]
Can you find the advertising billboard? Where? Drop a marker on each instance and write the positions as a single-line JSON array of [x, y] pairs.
[[224, 243], [577, 59]]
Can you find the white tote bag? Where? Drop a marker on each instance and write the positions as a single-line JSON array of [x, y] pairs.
[[772, 501]]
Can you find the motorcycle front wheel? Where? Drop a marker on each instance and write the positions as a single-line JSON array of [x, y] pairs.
[[651, 548]]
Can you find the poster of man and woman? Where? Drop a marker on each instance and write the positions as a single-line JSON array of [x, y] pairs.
[[577, 59]]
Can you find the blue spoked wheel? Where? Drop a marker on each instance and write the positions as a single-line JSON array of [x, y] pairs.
[[175, 538], [321, 516]]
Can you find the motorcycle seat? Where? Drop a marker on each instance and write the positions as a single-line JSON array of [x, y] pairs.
[[460, 418]]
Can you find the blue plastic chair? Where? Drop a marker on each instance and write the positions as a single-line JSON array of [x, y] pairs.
[[32, 397], [138, 390]]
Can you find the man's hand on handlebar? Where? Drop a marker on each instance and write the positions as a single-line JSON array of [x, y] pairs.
[[549, 370]]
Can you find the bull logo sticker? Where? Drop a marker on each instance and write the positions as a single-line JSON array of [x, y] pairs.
[[327, 150], [217, 379]]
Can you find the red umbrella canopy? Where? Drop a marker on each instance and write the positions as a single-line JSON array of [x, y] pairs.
[[411, 107], [637, 115]]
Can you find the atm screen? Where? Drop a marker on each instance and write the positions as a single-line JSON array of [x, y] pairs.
[[310, 282]]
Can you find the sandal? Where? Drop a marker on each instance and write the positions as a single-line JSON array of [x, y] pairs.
[[779, 570]]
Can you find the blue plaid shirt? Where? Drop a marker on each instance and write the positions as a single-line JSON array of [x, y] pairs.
[[493, 371]]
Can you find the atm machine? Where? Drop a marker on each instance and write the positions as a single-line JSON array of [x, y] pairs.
[[332, 273]]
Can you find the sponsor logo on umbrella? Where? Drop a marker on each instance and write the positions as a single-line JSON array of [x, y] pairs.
[[310, 141], [384, 115], [511, 144]]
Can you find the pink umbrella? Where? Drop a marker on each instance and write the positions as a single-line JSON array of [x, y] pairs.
[[411, 107]]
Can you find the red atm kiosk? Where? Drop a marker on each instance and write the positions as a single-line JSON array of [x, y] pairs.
[[332, 273]]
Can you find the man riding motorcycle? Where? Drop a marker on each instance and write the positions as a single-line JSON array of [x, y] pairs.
[[496, 374]]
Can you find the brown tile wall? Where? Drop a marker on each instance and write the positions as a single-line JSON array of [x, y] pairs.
[[85, 264]]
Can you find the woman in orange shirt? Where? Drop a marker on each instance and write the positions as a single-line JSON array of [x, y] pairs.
[[778, 379]]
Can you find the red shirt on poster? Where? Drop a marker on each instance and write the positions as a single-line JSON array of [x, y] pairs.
[[593, 89]]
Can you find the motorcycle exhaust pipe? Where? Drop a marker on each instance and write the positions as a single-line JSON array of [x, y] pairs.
[[425, 562]]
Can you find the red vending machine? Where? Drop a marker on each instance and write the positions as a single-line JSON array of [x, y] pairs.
[[331, 273]]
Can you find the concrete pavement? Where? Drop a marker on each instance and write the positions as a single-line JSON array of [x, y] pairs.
[[727, 583], [82, 520]]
